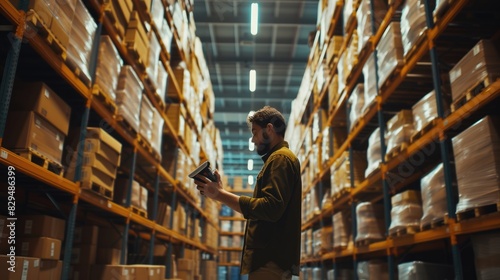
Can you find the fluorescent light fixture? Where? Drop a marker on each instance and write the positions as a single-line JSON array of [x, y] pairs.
[[254, 19], [251, 145], [250, 179], [253, 80], [250, 164]]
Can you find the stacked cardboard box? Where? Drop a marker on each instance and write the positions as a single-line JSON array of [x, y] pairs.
[[342, 236], [63, 13], [486, 254], [424, 270], [129, 96], [138, 194], [27, 268], [364, 16], [373, 153], [341, 171], [433, 191], [399, 130], [183, 79], [413, 23], [153, 59], [356, 104], [208, 270], [370, 82], [137, 40], [390, 52], [406, 211], [84, 251], [424, 111], [109, 64], [373, 270], [38, 121], [147, 117], [176, 116], [370, 225], [477, 162], [101, 158], [161, 81], [119, 12], [157, 132]]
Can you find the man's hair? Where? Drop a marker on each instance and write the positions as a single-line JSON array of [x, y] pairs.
[[267, 115]]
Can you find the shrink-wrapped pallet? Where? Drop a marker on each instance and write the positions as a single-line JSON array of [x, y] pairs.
[[157, 132], [413, 24], [129, 96], [486, 248], [147, 117], [480, 63], [406, 212], [374, 152], [316, 273], [341, 171], [356, 104], [364, 17], [341, 229], [370, 222], [373, 270], [424, 111], [399, 130], [109, 64], [424, 271], [349, 10], [477, 163], [433, 191], [390, 52], [370, 83]]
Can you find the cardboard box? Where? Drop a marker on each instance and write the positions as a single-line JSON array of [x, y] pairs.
[[185, 264], [97, 161], [99, 141], [156, 272], [84, 254], [41, 7], [41, 226], [115, 272], [108, 256], [26, 268], [176, 118], [121, 187], [38, 97], [50, 269], [140, 271], [28, 130], [93, 175], [60, 30], [87, 234], [40, 247]]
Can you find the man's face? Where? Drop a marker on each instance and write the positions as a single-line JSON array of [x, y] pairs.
[[261, 139]]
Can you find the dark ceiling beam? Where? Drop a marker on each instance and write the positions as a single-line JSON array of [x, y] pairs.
[[262, 59], [244, 21], [246, 97]]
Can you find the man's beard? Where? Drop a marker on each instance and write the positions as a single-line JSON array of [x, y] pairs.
[[264, 148]]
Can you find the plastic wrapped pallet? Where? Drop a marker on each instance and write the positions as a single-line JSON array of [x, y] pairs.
[[330, 274], [399, 130], [373, 270], [341, 171], [424, 271], [374, 152], [480, 63], [390, 52], [153, 58], [316, 273], [433, 191], [364, 17], [356, 102], [147, 115], [424, 111], [486, 248], [477, 163], [316, 244], [157, 132], [109, 64], [370, 225], [413, 24], [370, 83], [406, 211], [341, 229], [350, 7], [129, 96]]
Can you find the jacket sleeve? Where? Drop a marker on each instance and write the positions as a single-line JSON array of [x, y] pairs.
[[275, 191]]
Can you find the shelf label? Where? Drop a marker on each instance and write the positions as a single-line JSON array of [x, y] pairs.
[[109, 204], [4, 154]]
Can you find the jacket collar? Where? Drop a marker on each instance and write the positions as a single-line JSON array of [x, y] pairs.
[[275, 148]]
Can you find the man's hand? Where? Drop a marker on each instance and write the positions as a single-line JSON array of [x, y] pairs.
[[208, 188]]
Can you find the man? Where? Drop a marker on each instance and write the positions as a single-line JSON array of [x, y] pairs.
[[272, 236]]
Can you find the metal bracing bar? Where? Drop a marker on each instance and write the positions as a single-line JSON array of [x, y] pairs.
[[68, 240], [95, 51], [54, 202]]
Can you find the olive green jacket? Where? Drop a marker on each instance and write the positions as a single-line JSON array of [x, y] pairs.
[[274, 214]]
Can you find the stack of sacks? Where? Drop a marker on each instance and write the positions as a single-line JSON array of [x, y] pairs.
[[477, 162], [423, 270], [129, 97], [406, 211], [357, 103], [341, 230], [370, 226], [399, 130], [109, 64], [373, 270], [413, 23], [374, 152], [364, 16], [433, 190], [390, 52]]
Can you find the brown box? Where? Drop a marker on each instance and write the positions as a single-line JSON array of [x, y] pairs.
[[156, 272], [41, 247], [185, 274], [136, 28], [50, 269], [42, 8], [26, 268], [38, 97], [107, 146], [28, 130], [60, 31], [176, 118], [83, 254], [86, 234], [140, 271], [108, 256], [93, 175], [41, 226], [96, 161], [185, 264], [115, 272]]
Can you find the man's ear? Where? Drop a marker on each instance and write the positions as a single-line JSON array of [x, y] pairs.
[[270, 126]]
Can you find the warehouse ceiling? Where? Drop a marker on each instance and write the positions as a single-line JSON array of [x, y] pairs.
[[278, 53]]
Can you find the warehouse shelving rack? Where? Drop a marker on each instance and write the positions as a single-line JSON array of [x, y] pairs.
[[139, 157], [436, 138]]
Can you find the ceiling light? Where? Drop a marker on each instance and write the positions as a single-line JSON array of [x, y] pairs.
[[254, 19], [253, 80], [251, 145], [250, 179], [250, 164]]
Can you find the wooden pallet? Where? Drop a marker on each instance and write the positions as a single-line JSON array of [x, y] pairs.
[[366, 242], [41, 160], [340, 248], [37, 27], [342, 193], [389, 80], [421, 38], [418, 134], [141, 212], [124, 122], [77, 70], [434, 224], [478, 211], [104, 99], [95, 188], [396, 151], [119, 29], [476, 89], [404, 231], [132, 50], [147, 146]]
